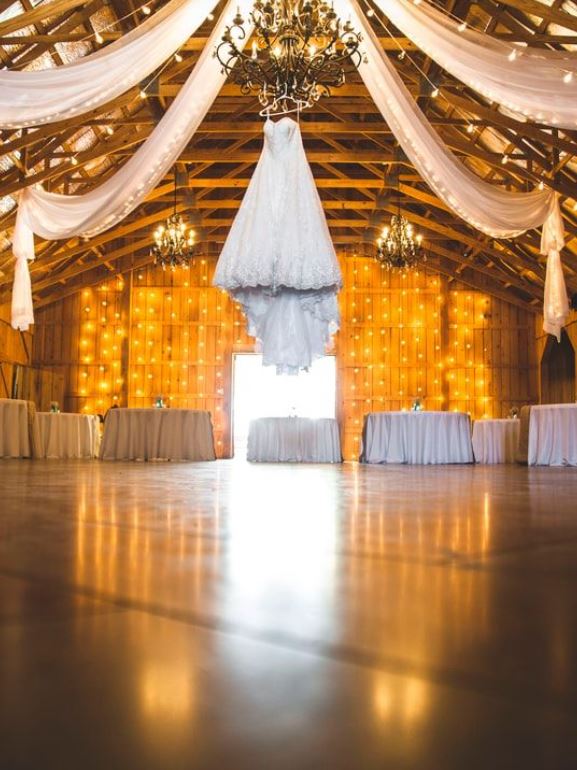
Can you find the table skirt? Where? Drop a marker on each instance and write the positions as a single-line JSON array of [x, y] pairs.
[[157, 434], [553, 435], [417, 438], [18, 434], [495, 441], [294, 440], [63, 435]]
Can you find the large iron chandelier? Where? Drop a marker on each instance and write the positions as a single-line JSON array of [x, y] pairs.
[[173, 242], [300, 50], [398, 246]]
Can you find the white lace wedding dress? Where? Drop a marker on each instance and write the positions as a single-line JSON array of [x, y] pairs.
[[278, 260]]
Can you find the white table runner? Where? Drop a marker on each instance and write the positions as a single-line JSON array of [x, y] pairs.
[[157, 434], [294, 440], [417, 438]]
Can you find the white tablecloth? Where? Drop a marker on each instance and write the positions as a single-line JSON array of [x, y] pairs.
[[294, 440], [64, 435], [15, 428], [553, 435], [495, 441], [417, 438], [157, 434]]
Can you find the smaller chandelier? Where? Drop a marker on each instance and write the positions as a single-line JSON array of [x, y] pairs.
[[398, 247], [301, 49], [173, 242]]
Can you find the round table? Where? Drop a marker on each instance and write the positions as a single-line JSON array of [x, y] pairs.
[[495, 441]]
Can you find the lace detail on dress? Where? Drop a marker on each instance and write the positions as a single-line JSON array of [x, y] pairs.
[[279, 260]]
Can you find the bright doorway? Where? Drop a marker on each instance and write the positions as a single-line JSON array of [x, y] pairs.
[[259, 392]]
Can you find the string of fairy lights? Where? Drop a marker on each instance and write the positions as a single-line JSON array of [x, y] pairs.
[[404, 54], [403, 338]]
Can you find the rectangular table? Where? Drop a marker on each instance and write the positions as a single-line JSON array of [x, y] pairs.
[[552, 435], [496, 441], [294, 440], [18, 435], [417, 438], [67, 435], [157, 434]]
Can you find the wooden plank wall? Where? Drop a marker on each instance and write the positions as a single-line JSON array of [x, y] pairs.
[[15, 348], [156, 333], [541, 340]]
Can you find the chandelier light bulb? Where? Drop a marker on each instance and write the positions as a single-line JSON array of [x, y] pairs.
[[567, 77], [146, 10]]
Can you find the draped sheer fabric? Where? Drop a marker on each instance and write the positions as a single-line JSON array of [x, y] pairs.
[[496, 212], [45, 96], [555, 301], [56, 217], [534, 83]]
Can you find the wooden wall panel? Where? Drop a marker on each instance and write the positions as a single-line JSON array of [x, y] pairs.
[[166, 333], [420, 335], [15, 348], [541, 340]]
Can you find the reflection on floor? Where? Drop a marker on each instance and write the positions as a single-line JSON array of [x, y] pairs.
[[215, 616]]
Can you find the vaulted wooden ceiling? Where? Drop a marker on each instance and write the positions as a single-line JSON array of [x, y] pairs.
[[349, 146]]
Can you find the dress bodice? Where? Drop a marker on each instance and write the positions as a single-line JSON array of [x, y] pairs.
[[278, 135]]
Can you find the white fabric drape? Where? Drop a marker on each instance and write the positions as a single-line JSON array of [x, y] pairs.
[[555, 300], [45, 96], [535, 83], [22, 315], [56, 217], [496, 212]]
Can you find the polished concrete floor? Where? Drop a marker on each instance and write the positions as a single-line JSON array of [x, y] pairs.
[[226, 615]]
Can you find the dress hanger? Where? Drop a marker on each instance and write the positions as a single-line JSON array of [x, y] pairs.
[[283, 105]]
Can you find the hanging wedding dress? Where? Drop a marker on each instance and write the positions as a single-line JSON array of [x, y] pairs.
[[278, 260]]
